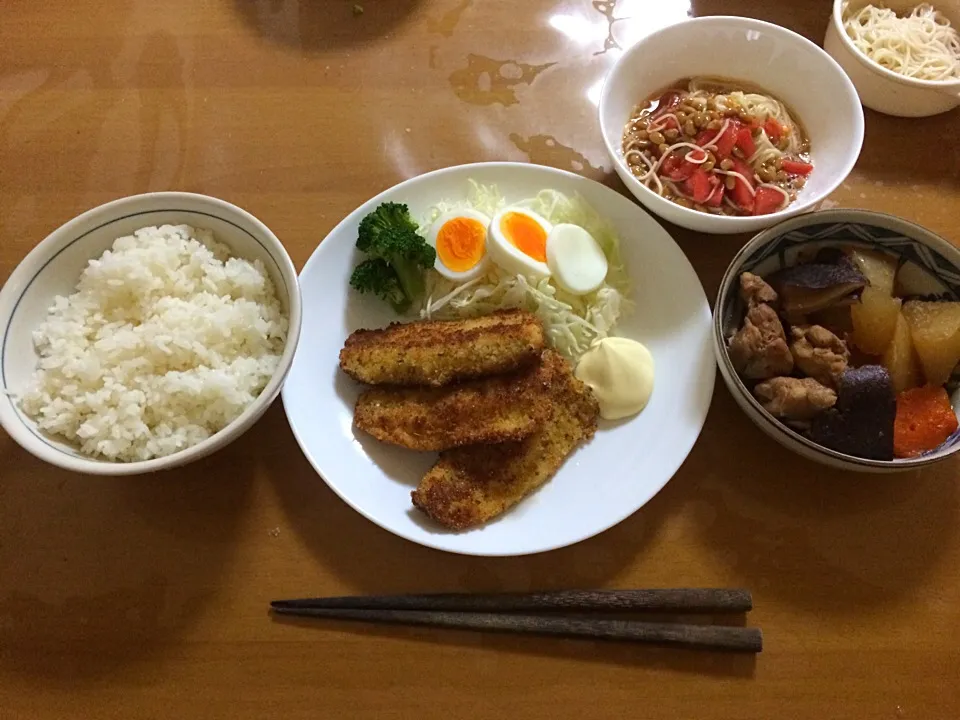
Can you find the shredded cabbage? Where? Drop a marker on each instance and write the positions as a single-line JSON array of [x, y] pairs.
[[573, 323]]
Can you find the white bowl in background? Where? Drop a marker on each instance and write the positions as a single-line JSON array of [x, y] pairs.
[[881, 89], [53, 268], [781, 62]]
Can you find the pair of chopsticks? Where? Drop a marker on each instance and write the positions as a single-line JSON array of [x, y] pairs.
[[542, 613]]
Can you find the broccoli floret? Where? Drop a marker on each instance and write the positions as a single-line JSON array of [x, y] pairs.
[[389, 215], [390, 234], [377, 277]]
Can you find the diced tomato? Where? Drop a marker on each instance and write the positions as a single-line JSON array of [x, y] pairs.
[[724, 142], [766, 201], [699, 185], [716, 198], [727, 140], [741, 167], [669, 166], [668, 100], [773, 129], [741, 194], [703, 137], [745, 141], [675, 167], [796, 167], [741, 197], [659, 122]]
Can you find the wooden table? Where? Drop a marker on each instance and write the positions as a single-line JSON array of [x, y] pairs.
[[136, 598]]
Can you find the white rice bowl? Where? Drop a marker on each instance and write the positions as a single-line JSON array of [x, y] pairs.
[[166, 340]]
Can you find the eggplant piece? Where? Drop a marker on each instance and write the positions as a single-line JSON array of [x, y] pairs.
[[837, 319], [814, 287], [861, 423], [829, 256]]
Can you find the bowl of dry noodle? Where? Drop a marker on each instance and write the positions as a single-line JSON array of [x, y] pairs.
[[903, 57]]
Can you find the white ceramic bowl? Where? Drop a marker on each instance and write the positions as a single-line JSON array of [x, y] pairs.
[[884, 90], [781, 62], [930, 267], [53, 268]]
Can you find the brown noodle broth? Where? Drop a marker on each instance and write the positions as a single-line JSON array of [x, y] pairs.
[[697, 114]]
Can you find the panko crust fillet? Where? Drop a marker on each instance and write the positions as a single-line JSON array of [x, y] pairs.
[[489, 410], [471, 485], [437, 352]]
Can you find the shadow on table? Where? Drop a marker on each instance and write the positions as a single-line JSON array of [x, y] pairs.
[[810, 24], [319, 25], [823, 540], [369, 559], [921, 162], [100, 573], [626, 654]]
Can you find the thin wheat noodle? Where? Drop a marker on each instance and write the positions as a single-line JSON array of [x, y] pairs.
[[776, 134], [922, 45], [735, 174]]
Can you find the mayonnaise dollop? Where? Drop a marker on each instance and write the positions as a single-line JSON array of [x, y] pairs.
[[620, 373]]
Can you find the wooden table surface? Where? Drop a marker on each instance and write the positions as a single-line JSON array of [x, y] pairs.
[[146, 597]]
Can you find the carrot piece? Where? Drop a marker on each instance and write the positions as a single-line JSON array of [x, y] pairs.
[[924, 420]]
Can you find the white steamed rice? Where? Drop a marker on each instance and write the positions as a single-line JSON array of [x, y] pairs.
[[166, 340]]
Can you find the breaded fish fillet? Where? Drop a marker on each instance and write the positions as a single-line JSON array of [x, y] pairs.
[[436, 352], [470, 485], [488, 410]]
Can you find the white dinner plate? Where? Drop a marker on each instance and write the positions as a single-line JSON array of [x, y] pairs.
[[605, 480]]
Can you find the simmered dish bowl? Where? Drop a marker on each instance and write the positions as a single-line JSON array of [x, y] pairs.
[[839, 334], [770, 98], [146, 333]]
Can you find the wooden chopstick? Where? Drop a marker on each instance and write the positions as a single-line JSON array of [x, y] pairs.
[[681, 600], [735, 639]]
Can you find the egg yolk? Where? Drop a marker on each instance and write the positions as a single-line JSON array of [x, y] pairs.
[[526, 234], [461, 243]]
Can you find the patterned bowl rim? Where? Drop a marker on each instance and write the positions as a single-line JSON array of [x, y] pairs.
[[870, 218]]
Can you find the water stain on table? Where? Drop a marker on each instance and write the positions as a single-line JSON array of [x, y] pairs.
[[545, 150], [607, 8], [447, 23], [486, 81]]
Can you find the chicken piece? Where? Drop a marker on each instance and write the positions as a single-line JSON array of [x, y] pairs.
[[489, 410], [471, 485], [818, 353], [754, 290], [794, 398], [436, 352], [759, 349]]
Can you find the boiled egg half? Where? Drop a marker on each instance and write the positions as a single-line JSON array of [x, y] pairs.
[[460, 239], [518, 242], [575, 259]]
